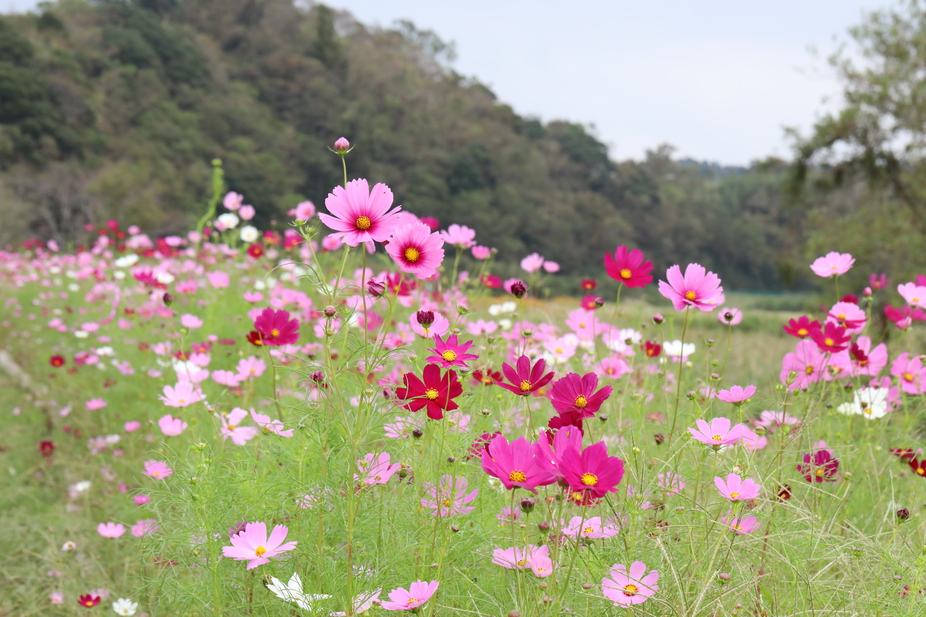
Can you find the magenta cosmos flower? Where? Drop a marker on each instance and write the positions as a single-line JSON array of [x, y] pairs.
[[577, 394], [591, 474], [448, 497], [276, 328], [433, 391], [416, 250], [628, 267], [253, 545], [158, 469], [832, 264], [516, 464], [697, 288], [526, 379], [718, 433], [418, 593], [450, 352], [735, 488], [820, 466], [730, 316], [634, 587], [360, 215], [737, 394]]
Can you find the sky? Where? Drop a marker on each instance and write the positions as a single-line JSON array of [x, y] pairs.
[[717, 79]]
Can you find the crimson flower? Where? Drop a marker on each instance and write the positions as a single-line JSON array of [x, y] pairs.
[[577, 394], [589, 284], [89, 600], [256, 250], [802, 327], [819, 467], [56, 361], [47, 448], [591, 474], [832, 338], [628, 267], [276, 328], [651, 349], [526, 379], [491, 281], [591, 302], [899, 314], [435, 391], [488, 377], [254, 338], [918, 467]]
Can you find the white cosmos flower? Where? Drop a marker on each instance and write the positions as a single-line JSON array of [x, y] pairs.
[[868, 402], [124, 606], [292, 591], [675, 349], [249, 234], [127, 261], [504, 307], [227, 221]]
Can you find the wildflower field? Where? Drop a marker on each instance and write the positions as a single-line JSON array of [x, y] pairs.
[[354, 414]]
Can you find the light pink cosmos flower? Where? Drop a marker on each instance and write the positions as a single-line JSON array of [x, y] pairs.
[[376, 469], [246, 213], [735, 488], [157, 469], [232, 200], [729, 316], [737, 394], [550, 267], [697, 288], [110, 530], [744, 525], [532, 263], [270, 426], [95, 403], [171, 426], [909, 373], [832, 264], [718, 433], [225, 378], [56, 597], [581, 527], [251, 367], [807, 363], [481, 252], [541, 565], [190, 321], [753, 442], [239, 435], [517, 558], [634, 587], [671, 482], [418, 593], [913, 294], [253, 545], [141, 500], [183, 394], [449, 497], [416, 250], [459, 235], [359, 214], [144, 527], [303, 211], [772, 420]]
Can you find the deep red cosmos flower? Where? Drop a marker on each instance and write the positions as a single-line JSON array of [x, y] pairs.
[[575, 393], [488, 377], [918, 467], [832, 338], [819, 466], [89, 600], [652, 349], [276, 328], [904, 453], [802, 327], [56, 361], [256, 250], [589, 284], [435, 391], [628, 267], [526, 379], [255, 339], [899, 314], [592, 473], [47, 448], [491, 281]]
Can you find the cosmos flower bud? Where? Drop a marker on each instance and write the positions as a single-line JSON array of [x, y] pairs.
[[519, 289], [425, 318], [543, 526], [417, 433], [527, 504], [903, 514], [658, 319], [375, 288], [599, 301], [342, 146], [168, 299], [867, 292], [659, 437], [330, 311]]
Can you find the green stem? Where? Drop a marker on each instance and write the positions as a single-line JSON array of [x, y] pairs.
[[678, 385]]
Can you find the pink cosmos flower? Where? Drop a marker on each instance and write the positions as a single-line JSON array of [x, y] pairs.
[[171, 426], [832, 264], [268, 425], [550, 450], [550, 267], [459, 235], [807, 364], [416, 250], [303, 211], [532, 263], [612, 367], [526, 378], [110, 530], [251, 367], [481, 252], [744, 525], [56, 597], [360, 215], [225, 378], [144, 527], [418, 593], [276, 328], [449, 497], [628, 267], [246, 213], [635, 587], [450, 353], [718, 433], [157, 469], [141, 500], [183, 394], [847, 315], [516, 558], [376, 469], [735, 488], [95, 403], [541, 565], [909, 373], [515, 464], [232, 200], [772, 420], [670, 482], [729, 316], [190, 321], [574, 393], [580, 527], [253, 545], [132, 426], [591, 474], [914, 294], [697, 288], [737, 394], [239, 435]]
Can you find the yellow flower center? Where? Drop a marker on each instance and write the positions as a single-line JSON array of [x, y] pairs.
[[820, 472], [717, 438], [803, 332], [734, 495], [525, 386], [411, 254], [412, 601], [588, 530], [517, 476], [829, 342], [259, 551], [581, 402], [842, 316], [589, 479], [522, 562], [921, 471], [809, 370], [631, 590], [447, 502], [231, 427], [690, 295], [908, 376], [431, 394], [449, 355], [626, 273], [364, 223]]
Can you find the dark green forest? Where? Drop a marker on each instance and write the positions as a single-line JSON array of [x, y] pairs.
[[114, 109]]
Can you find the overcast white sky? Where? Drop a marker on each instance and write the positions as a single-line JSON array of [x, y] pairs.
[[719, 79]]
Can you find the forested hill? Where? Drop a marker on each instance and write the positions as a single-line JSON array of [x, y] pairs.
[[115, 109]]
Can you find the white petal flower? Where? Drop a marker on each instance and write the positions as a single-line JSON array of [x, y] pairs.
[[292, 591], [124, 606]]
